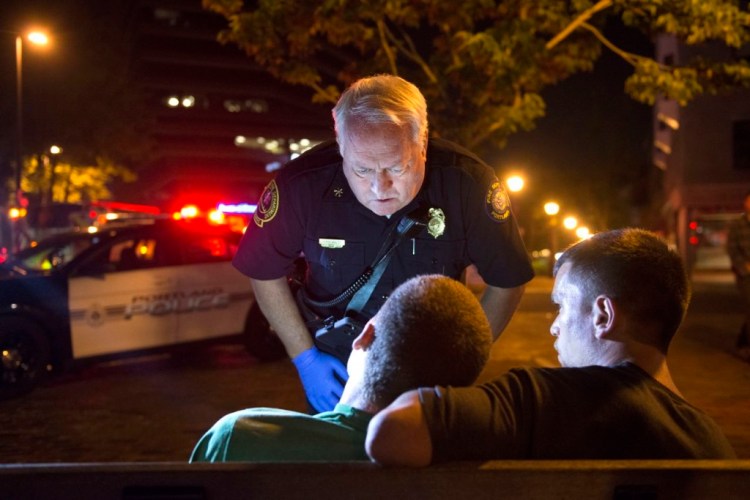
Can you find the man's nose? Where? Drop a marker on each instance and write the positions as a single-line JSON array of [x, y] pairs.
[[381, 182], [554, 330]]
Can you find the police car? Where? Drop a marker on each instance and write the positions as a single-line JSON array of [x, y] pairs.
[[119, 290]]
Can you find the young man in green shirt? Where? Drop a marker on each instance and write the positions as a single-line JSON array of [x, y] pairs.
[[430, 331]]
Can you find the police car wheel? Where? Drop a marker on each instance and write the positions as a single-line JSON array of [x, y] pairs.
[[24, 356], [260, 340]]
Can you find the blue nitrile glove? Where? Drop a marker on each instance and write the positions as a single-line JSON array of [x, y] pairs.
[[322, 376]]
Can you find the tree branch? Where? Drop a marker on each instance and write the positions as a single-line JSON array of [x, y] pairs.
[[324, 93], [627, 56], [411, 53], [585, 16], [382, 29]]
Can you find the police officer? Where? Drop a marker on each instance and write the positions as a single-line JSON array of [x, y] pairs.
[[738, 247], [338, 202]]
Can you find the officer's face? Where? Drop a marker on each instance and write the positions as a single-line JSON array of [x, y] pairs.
[[384, 168]]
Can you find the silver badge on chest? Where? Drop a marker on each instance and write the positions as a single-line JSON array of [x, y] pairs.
[[436, 224]]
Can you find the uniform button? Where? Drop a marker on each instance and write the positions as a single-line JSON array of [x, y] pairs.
[[332, 263]]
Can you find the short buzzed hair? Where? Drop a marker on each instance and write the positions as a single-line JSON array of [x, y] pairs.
[[431, 331], [637, 269]]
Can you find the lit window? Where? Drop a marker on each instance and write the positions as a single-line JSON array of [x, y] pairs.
[[247, 105], [232, 106], [256, 105], [167, 16], [667, 120], [664, 148]]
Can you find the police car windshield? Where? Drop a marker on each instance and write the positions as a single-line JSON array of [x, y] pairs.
[[54, 252]]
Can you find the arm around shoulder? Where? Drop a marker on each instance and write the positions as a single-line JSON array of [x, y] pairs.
[[398, 435]]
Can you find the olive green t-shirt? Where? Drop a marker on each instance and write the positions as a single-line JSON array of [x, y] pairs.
[[274, 435]]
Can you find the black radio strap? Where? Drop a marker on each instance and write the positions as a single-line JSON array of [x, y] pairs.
[[361, 290], [407, 226]]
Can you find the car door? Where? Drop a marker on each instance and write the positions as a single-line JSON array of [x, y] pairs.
[[216, 297], [125, 297]]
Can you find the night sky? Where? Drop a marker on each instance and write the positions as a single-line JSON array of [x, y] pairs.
[[592, 151]]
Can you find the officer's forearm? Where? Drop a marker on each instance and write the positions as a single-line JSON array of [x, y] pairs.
[[499, 304], [276, 301]]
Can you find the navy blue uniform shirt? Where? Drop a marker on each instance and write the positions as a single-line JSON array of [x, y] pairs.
[[310, 209]]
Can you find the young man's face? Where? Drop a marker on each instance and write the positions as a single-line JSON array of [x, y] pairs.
[[385, 169], [573, 328]]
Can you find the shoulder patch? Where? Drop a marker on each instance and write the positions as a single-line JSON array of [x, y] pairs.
[[268, 205], [497, 202]]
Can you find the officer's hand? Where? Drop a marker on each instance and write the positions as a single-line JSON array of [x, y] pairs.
[[322, 376]]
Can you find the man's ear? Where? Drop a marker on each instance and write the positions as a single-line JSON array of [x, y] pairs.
[[604, 316], [366, 337]]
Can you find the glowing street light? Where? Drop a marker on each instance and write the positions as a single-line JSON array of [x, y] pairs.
[[551, 208], [583, 232], [570, 222], [38, 38], [515, 183]]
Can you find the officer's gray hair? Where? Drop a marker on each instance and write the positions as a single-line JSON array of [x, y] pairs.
[[378, 100]]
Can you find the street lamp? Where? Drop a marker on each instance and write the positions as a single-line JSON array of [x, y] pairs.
[[570, 222], [583, 232], [515, 183], [552, 208], [36, 38]]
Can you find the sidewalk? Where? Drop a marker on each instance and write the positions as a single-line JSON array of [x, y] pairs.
[[703, 361]]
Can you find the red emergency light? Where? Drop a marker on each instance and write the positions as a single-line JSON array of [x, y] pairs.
[[118, 206]]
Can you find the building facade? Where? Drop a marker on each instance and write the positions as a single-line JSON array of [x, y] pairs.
[[703, 153], [222, 124]]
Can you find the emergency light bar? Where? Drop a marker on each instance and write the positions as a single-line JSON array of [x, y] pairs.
[[237, 208]]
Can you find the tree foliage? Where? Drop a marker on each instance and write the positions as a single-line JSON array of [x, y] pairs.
[[482, 64], [52, 181]]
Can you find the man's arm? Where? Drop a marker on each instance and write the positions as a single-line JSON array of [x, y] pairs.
[[398, 434], [275, 300], [321, 374], [499, 304]]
